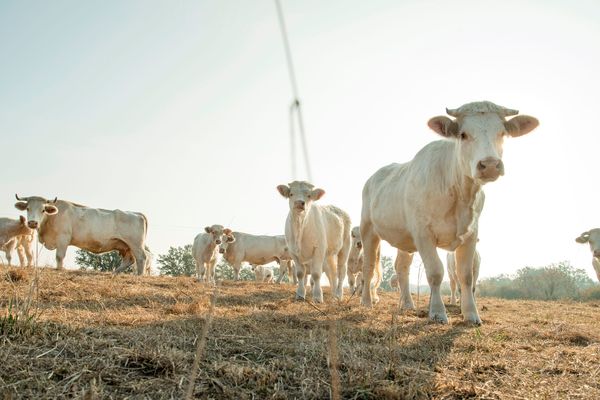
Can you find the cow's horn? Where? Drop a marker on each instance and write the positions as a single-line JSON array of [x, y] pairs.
[[54, 201], [21, 198], [452, 113], [507, 112]]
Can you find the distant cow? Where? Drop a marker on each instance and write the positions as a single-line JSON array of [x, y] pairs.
[[593, 238], [355, 266], [23, 245], [61, 224], [317, 237], [454, 282], [238, 247], [205, 252], [435, 200], [286, 267], [262, 273]]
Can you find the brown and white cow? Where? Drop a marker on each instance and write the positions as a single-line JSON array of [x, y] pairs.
[[593, 238], [61, 224], [205, 252], [435, 200], [23, 245], [318, 237]]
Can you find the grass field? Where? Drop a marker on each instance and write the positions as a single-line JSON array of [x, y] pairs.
[[95, 335]]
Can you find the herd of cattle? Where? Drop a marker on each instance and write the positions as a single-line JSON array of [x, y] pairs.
[[433, 201]]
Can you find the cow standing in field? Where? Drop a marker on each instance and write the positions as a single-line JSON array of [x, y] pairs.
[[204, 251], [355, 266], [454, 282], [318, 237], [286, 267], [61, 224], [23, 245], [238, 247], [262, 273], [435, 200], [593, 238]]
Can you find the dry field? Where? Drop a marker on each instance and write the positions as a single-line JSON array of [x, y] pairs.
[[101, 336]]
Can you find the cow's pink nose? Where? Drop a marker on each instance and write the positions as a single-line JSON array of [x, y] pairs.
[[32, 224], [300, 203], [490, 168]]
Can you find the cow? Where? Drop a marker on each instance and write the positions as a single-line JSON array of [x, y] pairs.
[[355, 266], [593, 238], [394, 282], [238, 247], [204, 251], [11, 228], [454, 282], [61, 224], [318, 237], [23, 245], [435, 200], [262, 273], [286, 267]]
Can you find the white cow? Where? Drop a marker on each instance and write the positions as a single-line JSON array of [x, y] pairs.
[[593, 238], [435, 199], [318, 237], [454, 282], [204, 251], [286, 267], [238, 247], [23, 245], [262, 273], [61, 224], [13, 232], [355, 266]]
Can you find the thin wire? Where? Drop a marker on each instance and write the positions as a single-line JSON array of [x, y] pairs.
[[296, 105]]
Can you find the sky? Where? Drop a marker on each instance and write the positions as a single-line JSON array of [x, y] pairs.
[[180, 109]]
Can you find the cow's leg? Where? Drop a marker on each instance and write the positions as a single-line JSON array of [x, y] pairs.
[[210, 271], [464, 270], [316, 270], [61, 251], [476, 265], [352, 282], [371, 242], [21, 254], [434, 269], [301, 275], [127, 261], [596, 265], [8, 257], [28, 252], [140, 259], [333, 276], [200, 269], [282, 272], [342, 265], [237, 266], [452, 288], [402, 267], [373, 286]]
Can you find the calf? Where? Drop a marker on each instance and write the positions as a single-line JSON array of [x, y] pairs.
[[23, 245], [204, 251], [262, 273], [593, 238]]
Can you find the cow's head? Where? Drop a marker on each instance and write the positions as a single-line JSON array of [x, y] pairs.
[[228, 238], [37, 208], [216, 233], [356, 240], [479, 129], [301, 195], [593, 238]]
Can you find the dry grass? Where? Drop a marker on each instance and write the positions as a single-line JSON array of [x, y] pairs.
[[100, 336]]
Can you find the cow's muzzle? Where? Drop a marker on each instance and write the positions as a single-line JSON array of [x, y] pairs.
[[222, 251], [597, 254], [359, 245], [489, 169], [32, 224]]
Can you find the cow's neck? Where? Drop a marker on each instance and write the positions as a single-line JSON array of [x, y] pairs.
[[466, 195]]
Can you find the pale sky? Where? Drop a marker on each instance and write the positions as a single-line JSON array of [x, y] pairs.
[[180, 109]]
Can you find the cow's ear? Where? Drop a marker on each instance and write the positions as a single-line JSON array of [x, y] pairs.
[[21, 205], [317, 193], [520, 125], [22, 219], [230, 238], [443, 126], [583, 238], [284, 190], [207, 229], [50, 210], [227, 231]]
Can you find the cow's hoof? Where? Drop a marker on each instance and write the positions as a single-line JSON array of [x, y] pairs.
[[439, 318], [473, 319], [407, 307]]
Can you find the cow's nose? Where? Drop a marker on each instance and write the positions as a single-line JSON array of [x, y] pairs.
[[490, 168], [300, 203], [32, 224], [597, 253], [359, 245], [222, 251], [217, 241]]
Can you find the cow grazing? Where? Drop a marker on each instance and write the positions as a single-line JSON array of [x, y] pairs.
[[355, 266], [435, 200], [11, 228], [205, 252], [262, 273], [23, 245], [593, 238], [61, 224], [238, 247], [454, 282], [317, 237], [286, 267]]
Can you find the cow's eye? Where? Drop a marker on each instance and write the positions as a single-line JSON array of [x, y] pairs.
[[291, 194], [464, 136]]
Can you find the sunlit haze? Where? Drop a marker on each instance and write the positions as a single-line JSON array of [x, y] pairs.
[[180, 109]]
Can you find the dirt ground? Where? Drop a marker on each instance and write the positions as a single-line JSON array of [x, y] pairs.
[[98, 336]]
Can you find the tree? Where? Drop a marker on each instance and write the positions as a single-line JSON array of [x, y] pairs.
[[387, 266], [178, 261], [97, 262], [223, 271]]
